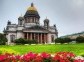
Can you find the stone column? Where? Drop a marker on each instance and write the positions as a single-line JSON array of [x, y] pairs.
[[31, 35], [41, 38], [27, 36], [44, 38], [34, 36], [38, 37], [34, 19]]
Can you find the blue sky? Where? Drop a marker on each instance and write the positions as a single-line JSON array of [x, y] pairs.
[[68, 15]]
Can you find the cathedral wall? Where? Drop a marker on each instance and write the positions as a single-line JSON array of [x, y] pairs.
[[19, 28], [12, 29], [50, 37], [52, 30], [54, 36], [9, 37], [20, 35], [29, 24]]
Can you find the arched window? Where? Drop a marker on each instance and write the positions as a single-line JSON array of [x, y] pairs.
[[12, 38], [52, 38]]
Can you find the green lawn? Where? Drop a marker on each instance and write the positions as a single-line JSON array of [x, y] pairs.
[[75, 48]]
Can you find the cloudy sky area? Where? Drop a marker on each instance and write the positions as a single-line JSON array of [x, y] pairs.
[[68, 15]]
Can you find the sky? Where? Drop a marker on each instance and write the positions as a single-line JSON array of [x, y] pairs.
[[68, 15]]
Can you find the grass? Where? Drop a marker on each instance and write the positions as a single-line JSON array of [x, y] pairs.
[[77, 49]]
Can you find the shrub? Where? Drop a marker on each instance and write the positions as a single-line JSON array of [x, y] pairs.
[[21, 41], [67, 40], [80, 39], [63, 57], [4, 50], [3, 39], [31, 42], [59, 40], [62, 40], [25, 41]]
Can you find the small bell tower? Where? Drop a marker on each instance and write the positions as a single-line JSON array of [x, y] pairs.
[[20, 20], [46, 23], [9, 22]]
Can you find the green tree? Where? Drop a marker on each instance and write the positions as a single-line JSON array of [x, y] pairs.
[[59, 40], [3, 39], [67, 40], [80, 39], [62, 40]]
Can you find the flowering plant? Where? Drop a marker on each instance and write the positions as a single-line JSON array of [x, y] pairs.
[[42, 57], [63, 57]]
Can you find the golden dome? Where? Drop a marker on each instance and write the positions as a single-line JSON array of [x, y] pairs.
[[32, 7]]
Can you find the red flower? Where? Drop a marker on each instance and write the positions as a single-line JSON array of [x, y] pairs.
[[63, 56], [38, 59], [78, 60], [45, 55]]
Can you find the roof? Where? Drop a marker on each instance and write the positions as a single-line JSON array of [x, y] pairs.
[[32, 7], [32, 12]]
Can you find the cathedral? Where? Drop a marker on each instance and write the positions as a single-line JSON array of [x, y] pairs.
[[29, 27]]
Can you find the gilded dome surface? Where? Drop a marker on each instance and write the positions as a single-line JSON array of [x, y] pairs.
[[31, 12], [32, 8]]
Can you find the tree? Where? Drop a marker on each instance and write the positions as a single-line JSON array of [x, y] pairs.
[[80, 39], [62, 40], [59, 40], [3, 39], [67, 40]]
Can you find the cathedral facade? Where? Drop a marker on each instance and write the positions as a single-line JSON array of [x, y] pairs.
[[29, 27]]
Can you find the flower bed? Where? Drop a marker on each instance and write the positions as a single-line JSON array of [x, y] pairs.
[[43, 57]]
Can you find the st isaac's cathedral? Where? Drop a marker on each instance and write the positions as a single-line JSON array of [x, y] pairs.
[[29, 27]]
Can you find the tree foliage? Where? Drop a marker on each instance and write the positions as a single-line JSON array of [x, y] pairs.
[[25, 41], [3, 39], [20, 41], [67, 40], [80, 39], [62, 40]]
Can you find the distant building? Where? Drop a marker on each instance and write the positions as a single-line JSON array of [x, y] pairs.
[[29, 27]]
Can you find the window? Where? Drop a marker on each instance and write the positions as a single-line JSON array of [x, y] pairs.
[[12, 38], [52, 38]]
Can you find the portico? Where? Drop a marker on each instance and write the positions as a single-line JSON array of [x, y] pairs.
[[40, 37]]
